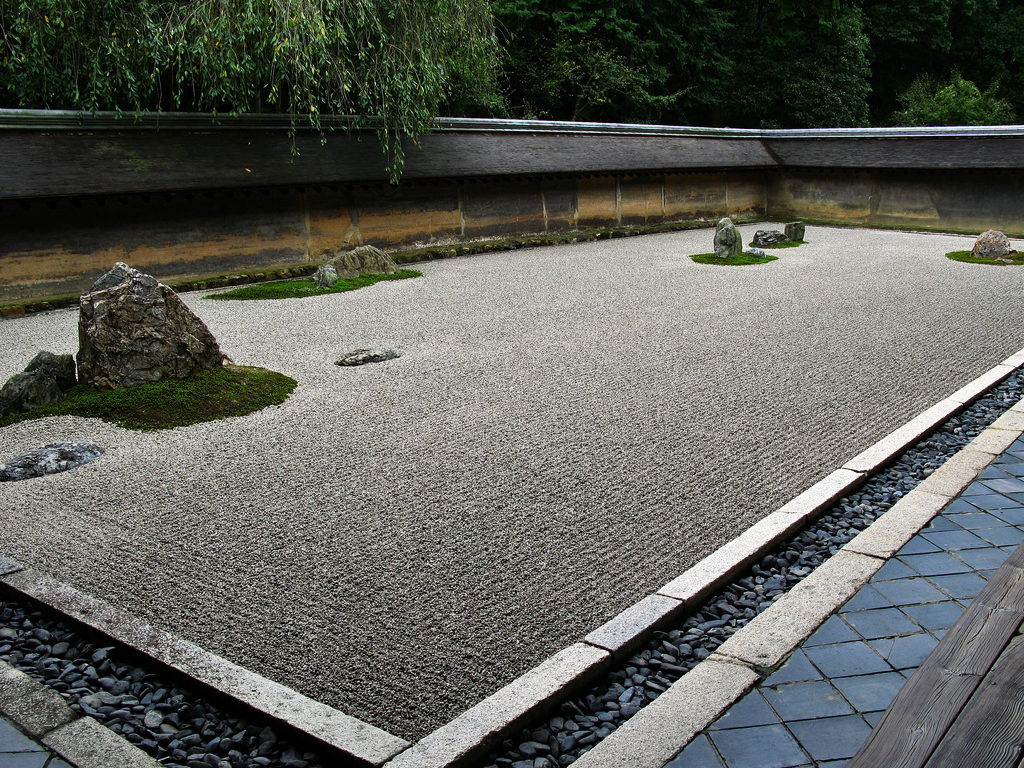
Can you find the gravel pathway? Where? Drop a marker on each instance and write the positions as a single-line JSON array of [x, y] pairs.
[[567, 429]]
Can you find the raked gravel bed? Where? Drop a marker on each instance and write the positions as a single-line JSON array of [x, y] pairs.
[[568, 428], [584, 721], [177, 725]]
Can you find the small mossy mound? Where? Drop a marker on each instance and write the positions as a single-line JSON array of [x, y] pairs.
[[787, 244], [737, 261], [208, 395], [301, 289], [1013, 258]]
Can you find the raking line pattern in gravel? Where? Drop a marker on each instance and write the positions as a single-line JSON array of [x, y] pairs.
[[568, 429]]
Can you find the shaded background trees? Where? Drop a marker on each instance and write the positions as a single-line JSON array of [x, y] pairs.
[[399, 63]]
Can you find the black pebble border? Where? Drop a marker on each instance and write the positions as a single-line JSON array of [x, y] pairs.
[[181, 728], [582, 722], [172, 723]]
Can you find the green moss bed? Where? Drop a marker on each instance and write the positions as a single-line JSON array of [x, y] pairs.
[[301, 289], [739, 261], [1012, 259], [214, 394]]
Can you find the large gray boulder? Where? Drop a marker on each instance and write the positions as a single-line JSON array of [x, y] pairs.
[[765, 237], [46, 379], [132, 330], [364, 260], [728, 243], [796, 230], [991, 245]]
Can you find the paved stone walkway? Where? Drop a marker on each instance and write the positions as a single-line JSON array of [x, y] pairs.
[[821, 705], [20, 751]]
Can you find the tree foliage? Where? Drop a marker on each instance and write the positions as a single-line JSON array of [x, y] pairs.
[[394, 62], [958, 102]]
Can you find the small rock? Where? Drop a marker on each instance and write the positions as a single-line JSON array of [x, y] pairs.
[[153, 719], [325, 276], [46, 379], [756, 252], [769, 237], [364, 356]]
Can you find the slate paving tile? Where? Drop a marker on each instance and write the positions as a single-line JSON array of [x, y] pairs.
[[980, 559], [752, 709], [833, 738], [1016, 469], [25, 760], [959, 505], [940, 523], [1007, 485], [992, 502], [972, 521], [1010, 515], [13, 740], [934, 616], [918, 546], [910, 591], [951, 540], [991, 472], [882, 622], [936, 564], [804, 701], [894, 569], [763, 746], [834, 630], [905, 652], [975, 489], [797, 668], [845, 659], [870, 693], [961, 586], [698, 754], [1006, 536], [867, 598]]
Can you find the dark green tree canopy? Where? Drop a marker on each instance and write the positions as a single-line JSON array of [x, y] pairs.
[[395, 62]]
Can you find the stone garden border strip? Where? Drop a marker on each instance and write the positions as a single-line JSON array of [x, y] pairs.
[[81, 741], [658, 732], [692, 703], [329, 726]]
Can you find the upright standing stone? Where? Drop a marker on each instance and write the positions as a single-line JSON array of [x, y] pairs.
[[991, 245], [795, 230], [135, 330], [728, 243]]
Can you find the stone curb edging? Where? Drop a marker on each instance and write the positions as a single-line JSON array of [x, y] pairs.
[[661, 730], [331, 727], [80, 741], [716, 682]]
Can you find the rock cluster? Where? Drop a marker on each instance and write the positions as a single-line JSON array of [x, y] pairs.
[[132, 330], [728, 243], [364, 260], [364, 356], [48, 460], [46, 379], [992, 244]]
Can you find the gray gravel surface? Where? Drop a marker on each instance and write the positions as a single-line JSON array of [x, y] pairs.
[[568, 428]]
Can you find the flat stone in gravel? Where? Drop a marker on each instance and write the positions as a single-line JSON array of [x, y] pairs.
[[568, 429]]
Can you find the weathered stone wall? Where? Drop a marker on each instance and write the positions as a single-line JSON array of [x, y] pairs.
[[970, 201], [53, 247]]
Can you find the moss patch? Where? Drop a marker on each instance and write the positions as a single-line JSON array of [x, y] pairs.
[[1012, 258], [214, 394], [301, 289], [787, 244], [739, 261]]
